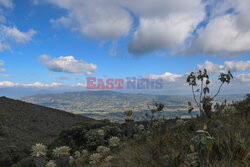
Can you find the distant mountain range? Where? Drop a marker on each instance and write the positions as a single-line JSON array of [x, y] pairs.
[[17, 92], [23, 124], [111, 105]]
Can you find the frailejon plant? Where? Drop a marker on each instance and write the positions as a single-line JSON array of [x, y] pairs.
[[109, 158], [63, 156], [77, 154], [85, 152], [95, 158], [129, 114], [51, 163], [129, 122], [71, 160], [39, 152], [201, 80], [103, 150], [79, 158], [61, 151], [101, 132], [114, 142], [141, 127]]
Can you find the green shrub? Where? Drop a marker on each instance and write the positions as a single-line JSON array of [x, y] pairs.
[[25, 162]]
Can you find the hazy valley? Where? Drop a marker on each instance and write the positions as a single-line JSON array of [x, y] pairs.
[[112, 105]]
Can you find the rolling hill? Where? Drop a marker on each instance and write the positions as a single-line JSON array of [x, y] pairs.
[[23, 124]]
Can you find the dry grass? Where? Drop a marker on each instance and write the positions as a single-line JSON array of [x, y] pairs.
[[171, 147]]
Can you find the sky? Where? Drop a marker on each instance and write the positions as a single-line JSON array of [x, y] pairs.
[[53, 45]]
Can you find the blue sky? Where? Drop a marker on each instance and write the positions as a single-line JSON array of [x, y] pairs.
[[110, 39]]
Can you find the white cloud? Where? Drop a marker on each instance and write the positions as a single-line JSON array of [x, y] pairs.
[[3, 70], [8, 35], [222, 37], [67, 64], [172, 83], [167, 29], [6, 3], [163, 24], [4, 46], [16, 35], [226, 33], [101, 20], [42, 85], [81, 85], [39, 85], [233, 66], [176, 84], [187, 27], [244, 78], [160, 8], [11, 89], [166, 76], [239, 9], [4, 84], [240, 83], [237, 66]]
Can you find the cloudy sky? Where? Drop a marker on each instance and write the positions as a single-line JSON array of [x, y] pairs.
[[56, 44]]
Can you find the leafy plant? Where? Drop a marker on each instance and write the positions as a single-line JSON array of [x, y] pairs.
[[201, 80], [155, 108]]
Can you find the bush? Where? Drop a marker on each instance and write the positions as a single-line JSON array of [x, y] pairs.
[[25, 162]]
